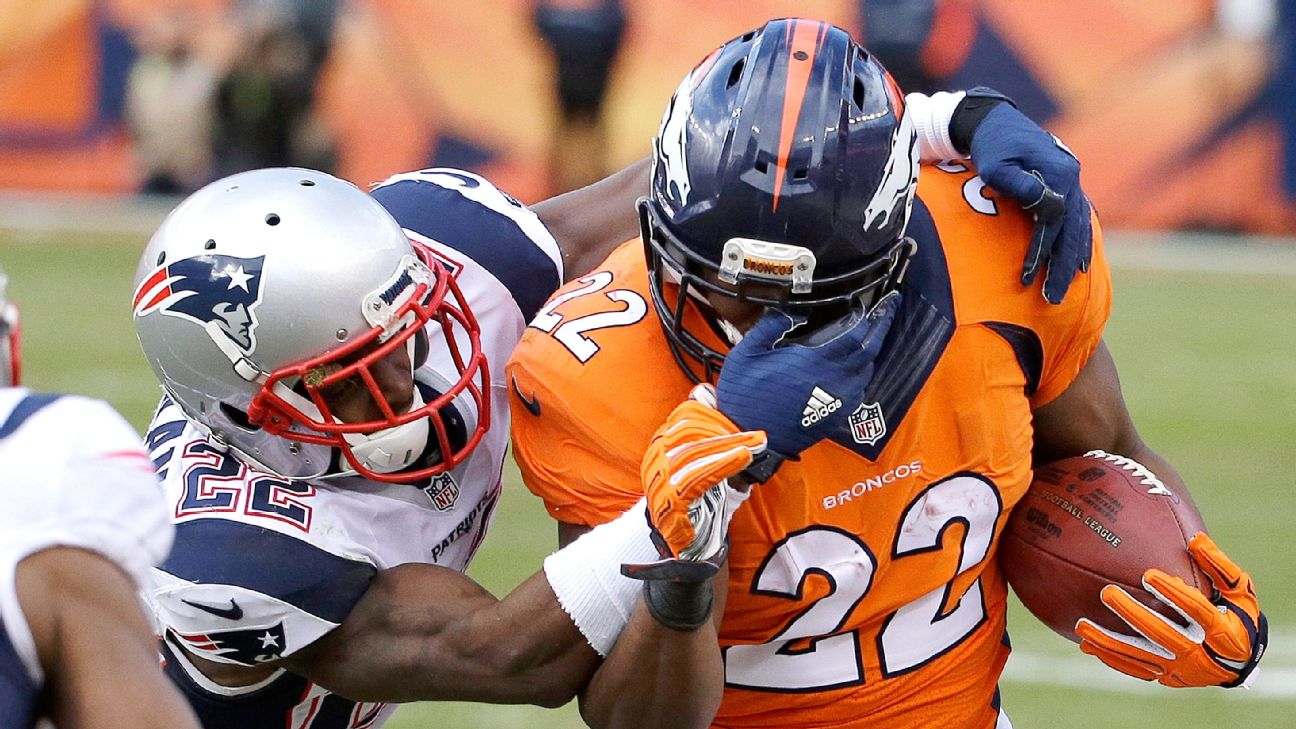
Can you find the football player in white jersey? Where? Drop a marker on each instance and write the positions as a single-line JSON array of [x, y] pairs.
[[81, 522], [332, 436]]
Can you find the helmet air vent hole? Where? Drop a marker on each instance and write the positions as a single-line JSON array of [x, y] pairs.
[[307, 183], [748, 36], [161, 258], [801, 174], [762, 166], [800, 55], [859, 93], [735, 73], [209, 245], [272, 219]]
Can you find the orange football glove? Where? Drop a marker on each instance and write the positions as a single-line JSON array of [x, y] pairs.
[[1221, 645], [690, 502]]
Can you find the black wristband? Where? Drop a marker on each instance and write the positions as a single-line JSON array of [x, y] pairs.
[[682, 606], [968, 115], [763, 466]]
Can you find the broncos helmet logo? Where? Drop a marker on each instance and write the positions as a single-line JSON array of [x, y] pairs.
[[211, 290], [892, 202], [672, 141]]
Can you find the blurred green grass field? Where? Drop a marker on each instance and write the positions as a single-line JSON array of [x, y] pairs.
[[1208, 363]]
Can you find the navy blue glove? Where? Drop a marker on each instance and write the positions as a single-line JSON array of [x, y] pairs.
[[799, 392], [1015, 157]]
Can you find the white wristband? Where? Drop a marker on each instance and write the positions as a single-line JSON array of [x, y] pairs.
[[586, 576], [931, 119]]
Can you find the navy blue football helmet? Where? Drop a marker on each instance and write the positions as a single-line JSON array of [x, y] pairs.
[[783, 174]]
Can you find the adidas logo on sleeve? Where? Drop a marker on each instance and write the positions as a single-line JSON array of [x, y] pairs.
[[820, 405]]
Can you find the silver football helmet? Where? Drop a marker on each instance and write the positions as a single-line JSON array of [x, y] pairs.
[[263, 290], [10, 352]]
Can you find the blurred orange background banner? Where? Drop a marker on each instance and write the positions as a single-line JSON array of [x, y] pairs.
[[1167, 112]]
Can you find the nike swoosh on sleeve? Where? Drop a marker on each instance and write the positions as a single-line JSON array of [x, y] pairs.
[[532, 404], [233, 612]]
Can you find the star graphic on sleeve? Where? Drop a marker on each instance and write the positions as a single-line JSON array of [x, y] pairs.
[[269, 640], [238, 278]]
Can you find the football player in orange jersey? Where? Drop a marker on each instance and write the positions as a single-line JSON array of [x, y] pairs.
[[905, 382]]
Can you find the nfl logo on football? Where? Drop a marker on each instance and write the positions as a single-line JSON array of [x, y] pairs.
[[867, 424], [443, 491]]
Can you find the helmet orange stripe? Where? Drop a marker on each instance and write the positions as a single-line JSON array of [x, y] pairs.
[[803, 44]]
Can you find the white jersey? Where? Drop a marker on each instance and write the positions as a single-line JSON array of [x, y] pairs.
[[72, 473], [264, 566]]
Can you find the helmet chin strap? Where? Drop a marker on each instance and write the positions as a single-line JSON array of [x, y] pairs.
[[391, 449]]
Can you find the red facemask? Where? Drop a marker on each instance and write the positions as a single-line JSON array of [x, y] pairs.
[[435, 299]]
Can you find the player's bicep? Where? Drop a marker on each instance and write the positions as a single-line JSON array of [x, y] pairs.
[[390, 644], [591, 222], [1089, 415]]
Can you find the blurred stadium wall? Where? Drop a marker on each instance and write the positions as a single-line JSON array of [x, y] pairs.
[[1176, 110]]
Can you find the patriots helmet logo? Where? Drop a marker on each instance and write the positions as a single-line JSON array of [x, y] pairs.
[[215, 291]]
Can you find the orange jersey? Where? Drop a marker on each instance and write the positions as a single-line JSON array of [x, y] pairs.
[[862, 585]]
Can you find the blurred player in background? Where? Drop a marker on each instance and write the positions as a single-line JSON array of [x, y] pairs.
[[332, 438], [904, 380], [921, 42], [584, 37], [82, 521]]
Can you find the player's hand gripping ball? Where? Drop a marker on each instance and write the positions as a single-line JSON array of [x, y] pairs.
[[1220, 645], [685, 474], [1100, 548]]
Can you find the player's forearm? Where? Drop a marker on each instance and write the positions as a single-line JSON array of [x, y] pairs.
[[523, 650], [656, 677], [90, 632], [423, 633], [589, 223]]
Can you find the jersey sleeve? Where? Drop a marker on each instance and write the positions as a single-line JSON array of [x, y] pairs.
[[468, 214], [1086, 308], [231, 590], [239, 593], [578, 435], [584, 477], [75, 474]]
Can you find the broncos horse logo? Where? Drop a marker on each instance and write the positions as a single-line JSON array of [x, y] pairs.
[[210, 290]]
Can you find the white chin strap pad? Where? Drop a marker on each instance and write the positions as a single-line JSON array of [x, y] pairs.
[[392, 449]]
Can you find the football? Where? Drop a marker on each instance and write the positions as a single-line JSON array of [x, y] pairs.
[[1090, 521]]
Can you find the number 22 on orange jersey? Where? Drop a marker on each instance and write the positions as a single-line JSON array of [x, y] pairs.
[[571, 332], [911, 636]]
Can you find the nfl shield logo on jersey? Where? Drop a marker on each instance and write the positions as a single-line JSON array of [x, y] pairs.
[[443, 491], [867, 424]]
